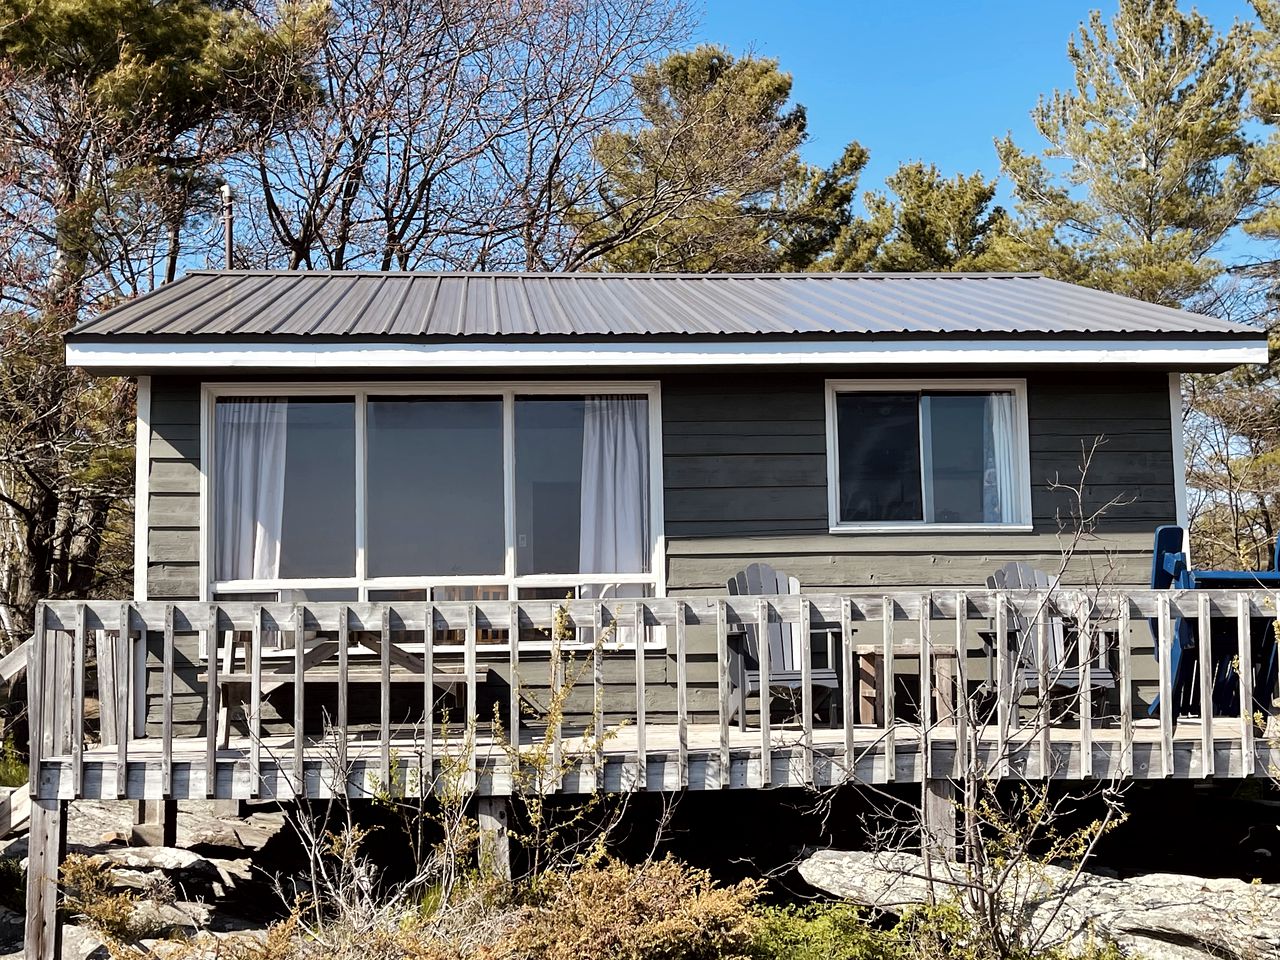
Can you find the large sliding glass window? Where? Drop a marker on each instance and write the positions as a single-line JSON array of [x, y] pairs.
[[414, 496]]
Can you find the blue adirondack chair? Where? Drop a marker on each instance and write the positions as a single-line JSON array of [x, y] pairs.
[[1170, 570]]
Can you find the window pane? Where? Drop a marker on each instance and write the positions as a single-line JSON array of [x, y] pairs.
[[319, 538], [582, 485], [548, 484], [878, 439], [956, 427], [435, 487], [284, 488]]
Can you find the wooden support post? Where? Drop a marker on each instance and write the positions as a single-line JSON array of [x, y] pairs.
[[46, 846], [495, 843], [155, 823], [938, 819]]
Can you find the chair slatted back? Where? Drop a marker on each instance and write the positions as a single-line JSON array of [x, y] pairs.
[[762, 580], [1015, 576]]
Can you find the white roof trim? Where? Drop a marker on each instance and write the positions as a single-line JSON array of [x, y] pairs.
[[461, 355]]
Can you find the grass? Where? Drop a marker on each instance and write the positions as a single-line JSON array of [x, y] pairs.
[[13, 771]]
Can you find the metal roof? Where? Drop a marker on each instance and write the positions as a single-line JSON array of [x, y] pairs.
[[265, 304]]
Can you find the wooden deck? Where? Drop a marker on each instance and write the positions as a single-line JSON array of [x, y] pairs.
[[924, 640], [665, 766]]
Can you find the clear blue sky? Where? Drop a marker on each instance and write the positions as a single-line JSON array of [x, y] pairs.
[[917, 79]]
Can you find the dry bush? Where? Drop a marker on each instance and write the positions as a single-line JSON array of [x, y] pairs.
[[664, 910], [89, 892]]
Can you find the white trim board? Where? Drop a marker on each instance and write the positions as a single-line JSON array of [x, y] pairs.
[[296, 355]]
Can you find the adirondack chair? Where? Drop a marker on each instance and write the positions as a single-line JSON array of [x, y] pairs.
[[1063, 676], [760, 579]]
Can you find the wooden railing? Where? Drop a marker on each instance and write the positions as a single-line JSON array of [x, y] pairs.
[[943, 689]]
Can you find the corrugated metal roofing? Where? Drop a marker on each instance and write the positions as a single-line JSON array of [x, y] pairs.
[[250, 304]]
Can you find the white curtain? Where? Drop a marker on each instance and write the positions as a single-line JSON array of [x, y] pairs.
[[1001, 498], [249, 456], [614, 530]]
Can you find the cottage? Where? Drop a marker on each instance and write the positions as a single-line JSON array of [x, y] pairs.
[[763, 513]]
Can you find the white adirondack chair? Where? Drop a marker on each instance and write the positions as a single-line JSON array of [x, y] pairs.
[[760, 579], [1062, 674]]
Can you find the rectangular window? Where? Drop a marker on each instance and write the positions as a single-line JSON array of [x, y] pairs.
[[434, 482], [410, 494], [908, 455]]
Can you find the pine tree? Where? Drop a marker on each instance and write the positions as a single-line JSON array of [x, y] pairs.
[[713, 179], [1148, 165]]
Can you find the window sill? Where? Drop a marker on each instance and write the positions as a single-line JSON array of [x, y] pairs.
[[998, 528]]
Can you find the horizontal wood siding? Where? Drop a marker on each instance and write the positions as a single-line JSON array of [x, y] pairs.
[[745, 479], [173, 542]]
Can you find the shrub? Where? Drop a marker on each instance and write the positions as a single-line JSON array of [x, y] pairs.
[[13, 772], [837, 931], [88, 891], [657, 911]]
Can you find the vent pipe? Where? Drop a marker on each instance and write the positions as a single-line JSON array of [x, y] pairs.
[[226, 226]]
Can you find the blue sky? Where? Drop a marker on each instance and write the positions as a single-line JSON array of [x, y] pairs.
[[917, 79]]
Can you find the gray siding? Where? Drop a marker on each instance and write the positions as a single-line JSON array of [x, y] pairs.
[[745, 479]]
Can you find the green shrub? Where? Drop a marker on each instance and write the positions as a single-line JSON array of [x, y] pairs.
[[13, 772], [837, 931]]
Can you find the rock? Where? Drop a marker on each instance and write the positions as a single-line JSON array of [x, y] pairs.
[[1157, 916]]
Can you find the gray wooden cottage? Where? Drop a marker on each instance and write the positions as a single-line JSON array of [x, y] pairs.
[[361, 496]]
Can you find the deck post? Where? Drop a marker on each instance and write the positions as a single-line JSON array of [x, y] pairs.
[[46, 847], [493, 814], [155, 823], [938, 818]]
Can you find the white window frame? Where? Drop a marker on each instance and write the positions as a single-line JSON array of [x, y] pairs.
[[1022, 453], [507, 391]]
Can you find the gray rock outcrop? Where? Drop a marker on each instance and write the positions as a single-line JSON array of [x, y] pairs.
[[1157, 916]]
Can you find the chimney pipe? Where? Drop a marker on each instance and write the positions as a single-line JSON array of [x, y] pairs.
[[226, 226]]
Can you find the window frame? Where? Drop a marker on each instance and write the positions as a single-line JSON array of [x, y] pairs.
[[1022, 453], [360, 392]]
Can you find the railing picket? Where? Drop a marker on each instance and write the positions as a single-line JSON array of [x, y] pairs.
[[1125, 682], [682, 698], [766, 691], [1244, 649], [1084, 636], [384, 697], [722, 684], [846, 685], [344, 641], [77, 702], [642, 757], [1003, 684], [962, 683], [806, 685], [255, 704], [427, 767], [513, 688], [166, 733], [299, 699], [122, 664], [597, 689], [887, 695], [213, 700], [473, 707], [926, 686], [36, 700], [1204, 650], [1044, 704], [1164, 632]]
